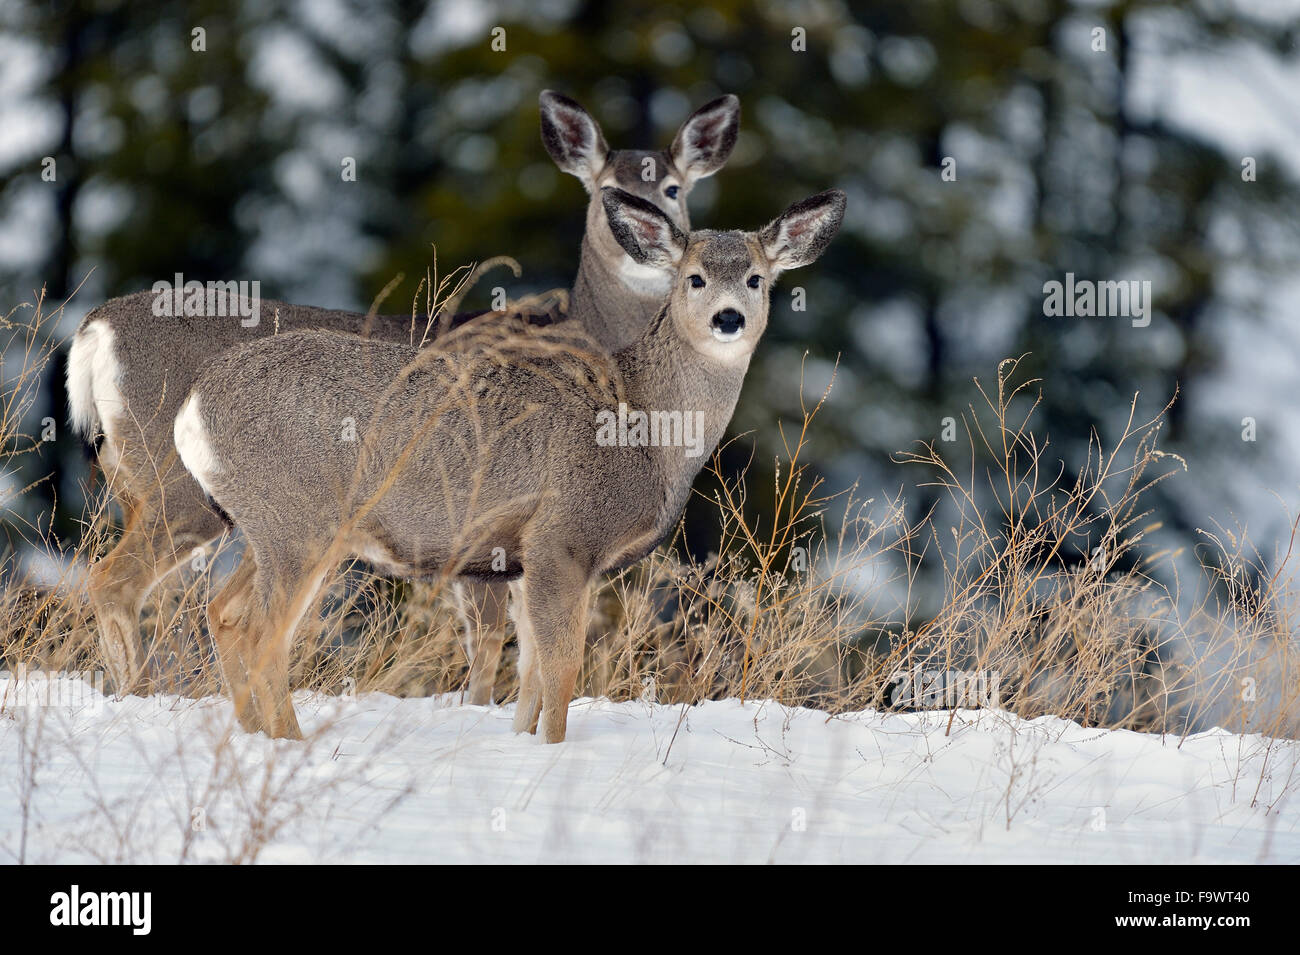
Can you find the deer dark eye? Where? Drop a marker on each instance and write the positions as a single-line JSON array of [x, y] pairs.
[[754, 281], [697, 281], [671, 192]]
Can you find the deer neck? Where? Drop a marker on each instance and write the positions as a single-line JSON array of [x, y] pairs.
[[614, 302], [662, 373]]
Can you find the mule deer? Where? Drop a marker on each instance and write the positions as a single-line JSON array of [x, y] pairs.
[[563, 503], [129, 370]]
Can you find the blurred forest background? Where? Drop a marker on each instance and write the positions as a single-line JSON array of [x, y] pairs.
[[1123, 140]]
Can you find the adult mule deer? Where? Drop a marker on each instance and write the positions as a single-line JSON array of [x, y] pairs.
[[129, 370], [557, 487], [614, 298]]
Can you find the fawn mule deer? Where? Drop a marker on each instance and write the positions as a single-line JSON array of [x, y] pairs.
[[129, 370], [520, 411]]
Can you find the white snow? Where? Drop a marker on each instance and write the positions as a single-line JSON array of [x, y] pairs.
[[383, 779]]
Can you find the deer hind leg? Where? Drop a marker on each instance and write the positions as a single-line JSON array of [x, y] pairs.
[[482, 606], [557, 603], [227, 613], [155, 542], [254, 620], [118, 585]]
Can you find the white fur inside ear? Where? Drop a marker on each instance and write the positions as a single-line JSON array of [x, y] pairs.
[[575, 142], [588, 170], [792, 233], [649, 230], [704, 142], [646, 234], [800, 234]]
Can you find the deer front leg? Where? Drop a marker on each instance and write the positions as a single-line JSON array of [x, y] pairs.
[[557, 603]]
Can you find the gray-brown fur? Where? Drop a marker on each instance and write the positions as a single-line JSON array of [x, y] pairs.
[[165, 514], [488, 441]]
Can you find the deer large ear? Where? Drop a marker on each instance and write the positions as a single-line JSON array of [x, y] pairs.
[[801, 233], [647, 235], [703, 144], [572, 137]]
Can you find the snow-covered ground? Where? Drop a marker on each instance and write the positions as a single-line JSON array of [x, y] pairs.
[[382, 779]]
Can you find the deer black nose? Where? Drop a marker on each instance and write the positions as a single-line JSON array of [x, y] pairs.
[[729, 321]]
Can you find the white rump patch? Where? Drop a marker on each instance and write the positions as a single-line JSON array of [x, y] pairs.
[[193, 446], [94, 395]]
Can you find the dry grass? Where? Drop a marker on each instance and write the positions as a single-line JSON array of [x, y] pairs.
[[1046, 584]]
